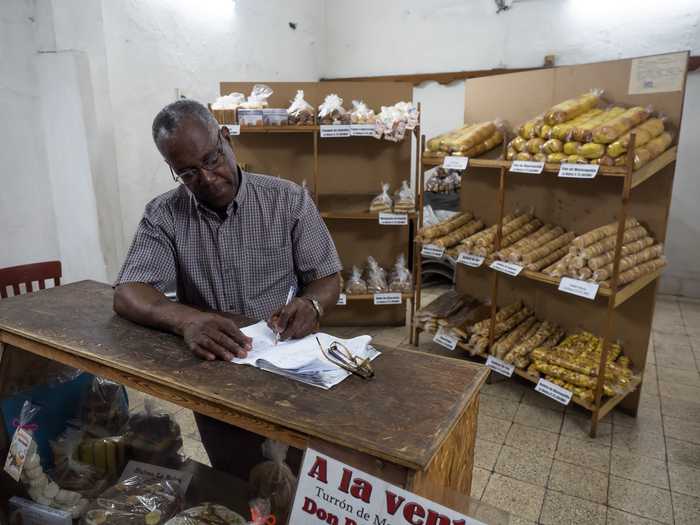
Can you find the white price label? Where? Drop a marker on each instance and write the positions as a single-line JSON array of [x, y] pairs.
[[388, 298], [17, 455], [362, 130], [233, 129], [393, 219], [471, 260], [506, 267], [581, 288], [527, 166], [455, 163], [431, 250], [342, 300], [549, 389], [578, 171], [334, 131], [446, 340], [503, 368]]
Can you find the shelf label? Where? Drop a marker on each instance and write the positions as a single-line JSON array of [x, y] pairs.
[[388, 298], [455, 163], [334, 131], [527, 166], [233, 129], [446, 340], [549, 389], [362, 130], [393, 219], [503, 368], [342, 300], [578, 171], [581, 288], [471, 260], [506, 267], [431, 250]]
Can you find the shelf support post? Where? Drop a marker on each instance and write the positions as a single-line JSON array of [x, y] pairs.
[[417, 288]]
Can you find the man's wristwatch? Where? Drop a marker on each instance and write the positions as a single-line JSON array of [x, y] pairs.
[[316, 304]]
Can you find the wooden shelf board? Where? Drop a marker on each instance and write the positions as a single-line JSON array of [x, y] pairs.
[[349, 206], [656, 165], [369, 297], [279, 129], [634, 287], [612, 402]]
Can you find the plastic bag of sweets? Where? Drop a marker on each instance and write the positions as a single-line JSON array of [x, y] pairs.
[[273, 480], [400, 279], [381, 202], [69, 472], [258, 97], [331, 111], [356, 285], [361, 114], [104, 409], [154, 437], [300, 112], [403, 199], [376, 277]]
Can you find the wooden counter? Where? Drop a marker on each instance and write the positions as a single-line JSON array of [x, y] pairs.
[[413, 425]]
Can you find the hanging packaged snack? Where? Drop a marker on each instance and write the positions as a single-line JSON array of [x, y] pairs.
[[572, 108], [375, 277], [154, 437], [273, 480], [403, 199], [300, 112], [361, 114], [104, 409], [400, 279], [331, 111], [356, 285], [382, 202], [135, 500]]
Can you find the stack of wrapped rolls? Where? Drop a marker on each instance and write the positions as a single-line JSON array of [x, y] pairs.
[[471, 140]]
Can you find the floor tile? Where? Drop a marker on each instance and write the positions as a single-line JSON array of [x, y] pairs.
[[538, 417], [618, 517], [664, 342], [639, 443], [639, 468], [647, 419], [536, 399], [578, 481], [680, 408], [518, 464], [686, 509], [194, 449], [136, 398], [586, 454], [497, 407], [650, 387], [492, 429], [480, 478], [517, 497], [636, 498], [679, 376], [509, 389], [684, 429], [674, 358], [485, 454], [683, 452], [532, 440], [684, 479], [163, 405], [188, 427], [679, 391], [561, 508], [578, 426]]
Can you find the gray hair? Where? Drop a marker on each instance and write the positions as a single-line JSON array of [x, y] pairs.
[[171, 116]]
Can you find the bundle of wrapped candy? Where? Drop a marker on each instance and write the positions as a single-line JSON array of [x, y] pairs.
[[300, 112], [331, 111], [440, 180], [393, 121]]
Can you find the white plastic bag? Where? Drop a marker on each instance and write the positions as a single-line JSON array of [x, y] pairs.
[[356, 285], [273, 480], [401, 279], [403, 199], [381, 202], [258, 97], [361, 114], [300, 112], [376, 277], [230, 101], [332, 111]]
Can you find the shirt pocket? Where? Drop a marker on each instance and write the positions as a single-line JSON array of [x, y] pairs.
[[270, 268]]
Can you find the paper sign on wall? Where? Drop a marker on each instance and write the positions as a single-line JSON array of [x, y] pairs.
[[657, 74], [332, 492], [455, 163]]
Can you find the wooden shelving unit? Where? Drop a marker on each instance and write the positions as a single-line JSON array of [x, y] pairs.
[[344, 174], [489, 189]]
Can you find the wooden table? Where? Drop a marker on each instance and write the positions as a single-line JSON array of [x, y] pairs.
[[414, 424]]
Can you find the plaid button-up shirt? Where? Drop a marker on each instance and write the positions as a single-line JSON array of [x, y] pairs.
[[272, 238]]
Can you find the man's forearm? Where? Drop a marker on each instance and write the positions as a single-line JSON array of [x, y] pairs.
[[326, 290], [144, 304]]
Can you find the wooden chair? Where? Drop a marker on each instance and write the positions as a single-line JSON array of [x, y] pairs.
[[27, 274]]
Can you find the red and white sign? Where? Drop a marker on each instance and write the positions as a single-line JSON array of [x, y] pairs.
[[331, 492]]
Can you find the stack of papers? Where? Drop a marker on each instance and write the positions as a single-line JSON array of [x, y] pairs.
[[301, 359]]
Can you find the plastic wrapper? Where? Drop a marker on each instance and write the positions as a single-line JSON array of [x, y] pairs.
[[300, 112], [443, 228], [382, 202], [482, 327], [524, 155], [230, 101], [104, 409], [638, 271], [571, 148], [534, 145], [544, 262], [521, 233], [600, 261], [549, 247], [208, 514], [576, 159], [258, 97], [154, 437], [543, 131], [375, 277], [403, 199], [361, 114], [509, 226], [556, 158], [646, 131], [601, 233], [137, 500], [455, 236], [491, 142], [552, 146], [629, 261], [528, 129], [519, 144], [273, 480], [608, 243], [505, 344], [400, 279], [469, 138], [434, 144], [583, 132], [652, 149], [331, 111], [510, 153], [523, 348], [393, 121], [356, 285], [591, 150], [503, 327], [543, 234], [605, 160], [572, 108], [72, 474], [612, 129], [440, 180], [563, 130]]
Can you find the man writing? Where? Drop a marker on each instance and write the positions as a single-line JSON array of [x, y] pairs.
[[234, 242]]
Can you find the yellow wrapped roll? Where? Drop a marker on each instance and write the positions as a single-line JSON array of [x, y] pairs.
[[510, 153], [576, 159], [527, 130], [523, 155], [584, 132], [552, 146], [561, 131], [612, 129], [652, 149], [469, 138], [540, 157], [571, 148], [643, 133], [544, 131], [591, 150], [534, 145], [556, 158], [434, 143], [519, 144], [572, 108]]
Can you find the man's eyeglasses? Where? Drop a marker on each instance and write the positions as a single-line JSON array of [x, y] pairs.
[[338, 354], [212, 162]]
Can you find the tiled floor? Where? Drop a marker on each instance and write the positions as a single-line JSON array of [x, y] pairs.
[[534, 458]]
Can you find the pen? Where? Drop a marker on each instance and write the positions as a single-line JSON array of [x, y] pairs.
[[290, 296]]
